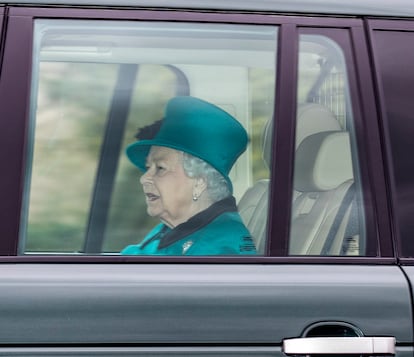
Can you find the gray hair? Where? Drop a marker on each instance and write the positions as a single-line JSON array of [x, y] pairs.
[[217, 188]]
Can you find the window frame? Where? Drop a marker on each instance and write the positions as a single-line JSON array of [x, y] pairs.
[[391, 25], [15, 84]]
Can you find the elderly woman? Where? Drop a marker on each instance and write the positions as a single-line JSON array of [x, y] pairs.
[[186, 183]]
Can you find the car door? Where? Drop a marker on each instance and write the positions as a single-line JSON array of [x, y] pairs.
[[71, 81]]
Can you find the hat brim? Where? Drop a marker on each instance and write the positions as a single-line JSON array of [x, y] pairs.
[[137, 153]]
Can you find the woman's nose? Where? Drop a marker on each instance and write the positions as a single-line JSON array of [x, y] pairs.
[[146, 177]]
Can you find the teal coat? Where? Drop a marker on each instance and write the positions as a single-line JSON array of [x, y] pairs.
[[218, 230]]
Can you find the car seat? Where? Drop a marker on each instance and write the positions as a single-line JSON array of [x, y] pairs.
[[323, 177], [253, 206]]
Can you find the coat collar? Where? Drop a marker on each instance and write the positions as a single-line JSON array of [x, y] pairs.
[[198, 221]]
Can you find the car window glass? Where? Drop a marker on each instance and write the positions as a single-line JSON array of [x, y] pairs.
[[94, 83], [394, 64], [1, 26], [1, 34], [327, 213]]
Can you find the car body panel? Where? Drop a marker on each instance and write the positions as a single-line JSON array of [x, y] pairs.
[[204, 304]]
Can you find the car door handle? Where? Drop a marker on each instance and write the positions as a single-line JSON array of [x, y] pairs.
[[339, 345]]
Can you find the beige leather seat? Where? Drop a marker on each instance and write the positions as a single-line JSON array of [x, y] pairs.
[[323, 176], [253, 206]]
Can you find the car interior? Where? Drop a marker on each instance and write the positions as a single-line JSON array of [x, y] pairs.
[[318, 225], [326, 217]]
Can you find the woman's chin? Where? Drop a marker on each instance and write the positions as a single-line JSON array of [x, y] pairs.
[[153, 211]]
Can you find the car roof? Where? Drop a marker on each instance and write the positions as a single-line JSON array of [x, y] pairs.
[[398, 8]]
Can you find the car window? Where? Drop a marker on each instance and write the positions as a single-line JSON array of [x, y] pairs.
[[327, 210], [1, 33], [94, 84], [392, 43]]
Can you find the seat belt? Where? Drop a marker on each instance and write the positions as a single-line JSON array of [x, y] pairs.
[[346, 203]]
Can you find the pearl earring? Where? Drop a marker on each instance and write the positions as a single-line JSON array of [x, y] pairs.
[[195, 197]]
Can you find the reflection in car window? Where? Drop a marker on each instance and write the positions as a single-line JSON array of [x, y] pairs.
[[327, 213], [94, 84], [393, 52]]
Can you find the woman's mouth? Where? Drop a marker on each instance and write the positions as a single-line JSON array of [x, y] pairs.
[[151, 197]]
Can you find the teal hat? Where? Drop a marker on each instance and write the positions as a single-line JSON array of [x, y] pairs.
[[200, 129]]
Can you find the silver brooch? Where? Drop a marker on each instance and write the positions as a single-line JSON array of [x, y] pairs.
[[187, 245]]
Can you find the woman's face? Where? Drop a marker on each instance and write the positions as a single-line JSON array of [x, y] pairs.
[[168, 190]]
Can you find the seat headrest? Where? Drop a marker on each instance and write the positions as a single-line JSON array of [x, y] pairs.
[[311, 118], [323, 161]]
